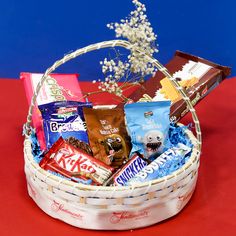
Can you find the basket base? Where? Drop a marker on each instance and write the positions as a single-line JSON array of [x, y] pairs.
[[151, 212]]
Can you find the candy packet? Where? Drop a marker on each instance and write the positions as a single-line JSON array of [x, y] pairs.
[[64, 119], [107, 134], [166, 163], [148, 125]]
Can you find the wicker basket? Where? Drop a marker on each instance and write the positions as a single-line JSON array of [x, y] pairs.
[[111, 208]]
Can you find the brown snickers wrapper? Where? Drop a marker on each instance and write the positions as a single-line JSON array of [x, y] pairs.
[[215, 75]]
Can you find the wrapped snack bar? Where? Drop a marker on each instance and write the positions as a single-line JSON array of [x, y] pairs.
[[196, 75], [74, 163], [129, 170], [162, 165]]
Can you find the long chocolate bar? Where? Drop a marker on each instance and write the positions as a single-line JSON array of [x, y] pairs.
[[197, 75]]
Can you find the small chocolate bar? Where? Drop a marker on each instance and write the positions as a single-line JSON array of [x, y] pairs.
[[128, 171], [74, 163], [196, 75], [166, 163]]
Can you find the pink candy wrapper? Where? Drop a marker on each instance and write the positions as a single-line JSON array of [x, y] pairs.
[[57, 87]]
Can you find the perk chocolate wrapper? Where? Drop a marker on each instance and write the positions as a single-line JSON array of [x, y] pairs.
[[198, 76]]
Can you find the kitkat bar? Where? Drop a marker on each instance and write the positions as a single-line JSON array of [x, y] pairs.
[[203, 76], [57, 87], [73, 163]]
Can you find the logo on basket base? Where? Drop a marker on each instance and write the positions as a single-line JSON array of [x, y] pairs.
[[182, 200], [116, 217], [57, 207], [32, 191]]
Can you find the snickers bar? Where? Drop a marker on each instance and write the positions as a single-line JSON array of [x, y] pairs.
[[129, 170]]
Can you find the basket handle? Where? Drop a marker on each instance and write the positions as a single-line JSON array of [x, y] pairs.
[[106, 44]]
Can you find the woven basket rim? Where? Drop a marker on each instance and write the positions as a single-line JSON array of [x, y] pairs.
[[192, 159]]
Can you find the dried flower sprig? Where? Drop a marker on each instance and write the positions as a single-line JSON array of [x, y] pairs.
[[138, 31]]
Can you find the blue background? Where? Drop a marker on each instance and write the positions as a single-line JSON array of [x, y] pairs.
[[33, 34]]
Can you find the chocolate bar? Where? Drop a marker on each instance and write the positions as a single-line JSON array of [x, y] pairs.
[[163, 165], [197, 75], [135, 164], [73, 163]]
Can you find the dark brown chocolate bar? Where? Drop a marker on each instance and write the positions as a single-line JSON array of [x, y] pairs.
[[202, 86]]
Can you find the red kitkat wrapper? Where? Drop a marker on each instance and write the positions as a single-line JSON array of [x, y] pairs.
[[71, 162]]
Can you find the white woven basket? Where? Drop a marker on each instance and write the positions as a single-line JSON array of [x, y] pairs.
[[111, 208]]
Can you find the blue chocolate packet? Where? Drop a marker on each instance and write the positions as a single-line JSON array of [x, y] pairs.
[[64, 119], [148, 125], [165, 164]]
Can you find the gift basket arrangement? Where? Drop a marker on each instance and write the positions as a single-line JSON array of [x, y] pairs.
[[122, 166]]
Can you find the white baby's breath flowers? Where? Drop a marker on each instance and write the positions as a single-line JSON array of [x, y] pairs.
[[110, 85], [114, 71], [138, 31]]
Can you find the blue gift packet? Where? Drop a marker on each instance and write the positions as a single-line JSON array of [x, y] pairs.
[[64, 119], [148, 126]]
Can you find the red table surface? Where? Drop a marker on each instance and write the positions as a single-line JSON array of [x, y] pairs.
[[211, 210]]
